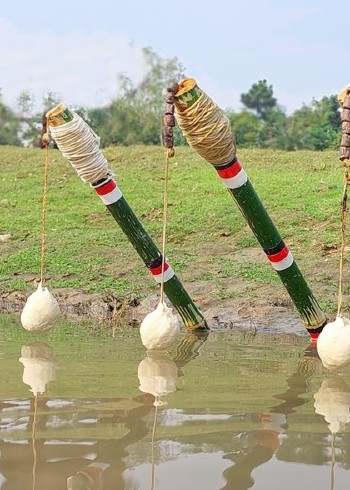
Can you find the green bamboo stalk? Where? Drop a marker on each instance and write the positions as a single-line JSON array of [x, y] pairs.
[[253, 210], [117, 205], [269, 238], [150, 254]]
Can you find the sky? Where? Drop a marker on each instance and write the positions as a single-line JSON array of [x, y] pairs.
[[76, 48]]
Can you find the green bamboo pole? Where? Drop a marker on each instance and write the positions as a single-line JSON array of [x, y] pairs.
[[117, 205], [236, 180]]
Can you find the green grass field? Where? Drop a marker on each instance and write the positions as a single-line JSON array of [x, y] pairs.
[[209, 243]]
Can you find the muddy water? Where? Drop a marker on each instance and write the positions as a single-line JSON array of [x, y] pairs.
[[82, 409]]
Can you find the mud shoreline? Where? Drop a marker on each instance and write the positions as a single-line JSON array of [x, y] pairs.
[[263, 316]]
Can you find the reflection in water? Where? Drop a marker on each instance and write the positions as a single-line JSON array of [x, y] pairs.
[[157, 375], [332, 400], [39, 370], [265, 442], [39, 366], [90, 478], [226, 412]]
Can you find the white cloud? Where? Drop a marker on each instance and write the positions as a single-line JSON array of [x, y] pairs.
[[81, 67]]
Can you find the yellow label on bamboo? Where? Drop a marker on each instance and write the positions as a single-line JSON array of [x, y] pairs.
[[59, 115], [187, 94]]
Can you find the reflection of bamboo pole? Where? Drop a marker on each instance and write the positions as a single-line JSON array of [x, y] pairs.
[[208, 132], [117, 205]]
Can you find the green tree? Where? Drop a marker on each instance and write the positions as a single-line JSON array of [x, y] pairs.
[[260, 99], [135, 117], [316, 126], [246, 127], [273, 132], [33, 122], [9, 125]]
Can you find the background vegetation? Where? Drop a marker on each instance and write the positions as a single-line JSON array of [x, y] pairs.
[[134, 117]]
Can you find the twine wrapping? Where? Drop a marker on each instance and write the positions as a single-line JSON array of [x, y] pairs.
[[81, 146], [207, 130]]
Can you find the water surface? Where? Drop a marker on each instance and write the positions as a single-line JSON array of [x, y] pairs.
[[82, 409]]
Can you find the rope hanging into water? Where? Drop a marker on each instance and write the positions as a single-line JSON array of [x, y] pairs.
[[344, 156], [169, 154], [333, 462], [207, 130], [343, 235], [35, 457], [168, 141], [44, 211], [153, 440], [81, 146]]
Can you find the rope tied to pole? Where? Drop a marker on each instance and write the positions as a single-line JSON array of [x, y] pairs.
[[44, 209], [165, 221], [344, 156], [168, 140], [41, 309], [160, 328], [344, 206], [333, 344]]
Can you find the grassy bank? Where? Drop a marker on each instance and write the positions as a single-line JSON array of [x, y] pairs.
[[209, 244]]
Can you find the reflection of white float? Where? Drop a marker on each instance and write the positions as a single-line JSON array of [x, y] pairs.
[[332, 401], [41, 311], [333, 344], [89, 478], [39, 366], [157, 374]]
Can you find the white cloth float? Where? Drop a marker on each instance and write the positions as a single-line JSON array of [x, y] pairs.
[[333, 344], [41, 311], [160, 328]]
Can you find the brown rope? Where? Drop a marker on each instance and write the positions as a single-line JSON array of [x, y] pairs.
[[33, 442], [153, 475], [169, 154], [343, 232], [44, 209], [333, 462]]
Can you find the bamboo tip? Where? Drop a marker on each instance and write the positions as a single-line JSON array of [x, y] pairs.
[[59, 115], [185, 85], [343, 94]]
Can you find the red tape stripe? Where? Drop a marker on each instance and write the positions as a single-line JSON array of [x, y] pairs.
[[158, 270], [231, 171], [279, 256], [106, 188]]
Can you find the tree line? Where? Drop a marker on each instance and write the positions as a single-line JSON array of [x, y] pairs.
[[135, 116]]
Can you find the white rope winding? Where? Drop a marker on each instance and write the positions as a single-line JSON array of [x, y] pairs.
[[81, 146]]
